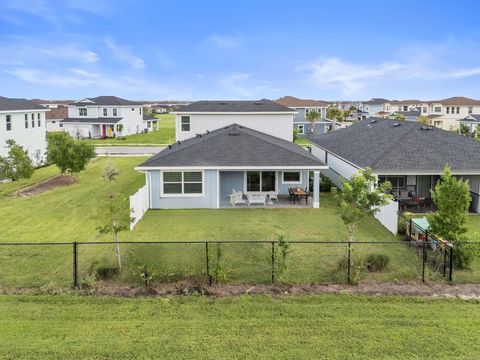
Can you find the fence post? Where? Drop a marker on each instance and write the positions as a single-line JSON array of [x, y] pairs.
[[349, 262], [208, 264], [445, 261], [450, 270], [410, 229], [424, 255], [273, 262], [75, 265]]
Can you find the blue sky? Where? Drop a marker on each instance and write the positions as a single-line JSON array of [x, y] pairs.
[[239, 49]]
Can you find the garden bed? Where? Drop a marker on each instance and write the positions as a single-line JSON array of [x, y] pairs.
[[52, 183]]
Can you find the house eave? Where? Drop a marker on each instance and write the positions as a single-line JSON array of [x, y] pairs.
[[231, 168]]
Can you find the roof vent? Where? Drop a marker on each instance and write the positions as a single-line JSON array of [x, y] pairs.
[[169, 146], [396, 124], [208, 131], [426, 128], [258, 103], [369, 127], [234, 133], [373, 121], [178, 142], [222, 103]]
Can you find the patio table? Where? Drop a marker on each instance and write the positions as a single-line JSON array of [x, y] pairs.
[[299, 192]]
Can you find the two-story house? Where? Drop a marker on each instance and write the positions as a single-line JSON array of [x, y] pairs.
[[445, 113], [302, 108], [103, 116], [264, 115], [376, 107], [23, 121]]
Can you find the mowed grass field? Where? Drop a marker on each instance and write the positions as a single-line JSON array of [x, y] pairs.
[[165, 134], [244, 327], [70, 214]]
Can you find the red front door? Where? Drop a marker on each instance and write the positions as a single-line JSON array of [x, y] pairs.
[[104, 130]]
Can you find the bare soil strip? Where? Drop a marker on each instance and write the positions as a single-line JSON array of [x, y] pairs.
[[49, 184]]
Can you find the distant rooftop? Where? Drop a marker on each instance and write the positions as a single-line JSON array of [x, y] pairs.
[[209, 106], [105, 101], [291, 101]]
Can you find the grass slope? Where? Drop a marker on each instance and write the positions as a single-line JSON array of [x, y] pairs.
[[260, 327]]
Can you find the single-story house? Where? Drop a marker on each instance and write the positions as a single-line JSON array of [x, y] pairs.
[[150, 122], [471, 121], [410, 155], [229, 166]]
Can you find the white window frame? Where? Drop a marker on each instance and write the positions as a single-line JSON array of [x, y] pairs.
[[163, 195], [259, 171], [32, 118], [189, 123], [105, 112], [80, 111], [26, 121], [115, 112], [292, 182], [301, 129], [437, 109], [8, 122]]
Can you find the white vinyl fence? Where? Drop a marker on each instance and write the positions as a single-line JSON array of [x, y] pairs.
[[139, 204], [388, 216]]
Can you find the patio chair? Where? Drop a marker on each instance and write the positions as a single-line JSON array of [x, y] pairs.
[[273, 195], [291, 195], [256, 199], [236, 198]]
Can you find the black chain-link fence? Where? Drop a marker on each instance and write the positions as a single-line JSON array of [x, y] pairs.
[[33, 265]]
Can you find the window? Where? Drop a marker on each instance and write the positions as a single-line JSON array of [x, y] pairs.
[[458, 110], [39, 121], [448, 110], [398, 182], [182, 183], [185, 123], [114, 112], [140, 111], [301, 129], [424, 110], [470, 109], [292, 177], [105, 112], [33, 120], [9, 122], [26, 121], [405, 107], [82, 111], [260, 181], [133, 109], [437, 109]]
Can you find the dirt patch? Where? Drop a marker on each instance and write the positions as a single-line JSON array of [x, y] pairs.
[[52, 183], [464, 291]]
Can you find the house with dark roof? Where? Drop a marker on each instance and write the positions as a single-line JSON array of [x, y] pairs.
[[54, 118], [302, 107], [410, 115], [375, 106], [471, 122], [24, 122], [231, 166], [104, 116], [410, 155], [263, 115]]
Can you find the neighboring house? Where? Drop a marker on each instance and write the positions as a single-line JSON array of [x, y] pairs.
[[23, 121], [203, 171], [302, 107], [472, 122], [52, 104], [450, 110], [410, 155], [262, 115], [410, 115], [54, 118], [150, 123], [374, 106], [103, 116]]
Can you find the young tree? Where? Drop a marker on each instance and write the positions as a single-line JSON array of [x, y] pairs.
[[69, 155], [110, 173], [399, 117], [452, 198], [464, 130], [360, 197], [114, 217], [334, 114], [313, 116], [17, 164], [422, 119]]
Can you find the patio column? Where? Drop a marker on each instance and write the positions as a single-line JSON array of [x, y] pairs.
[[316, 189]]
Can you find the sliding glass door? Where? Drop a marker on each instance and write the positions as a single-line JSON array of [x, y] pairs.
[[261, 181]]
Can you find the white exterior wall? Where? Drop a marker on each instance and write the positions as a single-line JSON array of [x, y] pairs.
[[33, 139], [139, 203], [388, 216], [53, 125], [132, 119], [278, 125]]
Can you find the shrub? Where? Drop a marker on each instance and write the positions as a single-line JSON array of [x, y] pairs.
[[357, 269], [106, 272], [146, 275], [295, 134], [376, 262], [402, 226], [463, 254], [87, 282], [281, 253], [325, 183], [218, 272]]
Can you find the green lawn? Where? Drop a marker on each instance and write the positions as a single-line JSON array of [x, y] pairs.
[[302, 141], [69, 214], [164, 135], [245, 327], [38, 176]]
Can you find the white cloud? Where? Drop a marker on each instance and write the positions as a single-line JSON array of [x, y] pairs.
[[227, 42], [123, 53], [239, 84]]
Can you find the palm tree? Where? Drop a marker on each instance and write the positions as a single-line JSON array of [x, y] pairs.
[[313, 116]]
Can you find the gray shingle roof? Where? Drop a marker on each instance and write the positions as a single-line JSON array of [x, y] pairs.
[[18, 104], [106, 101], [408, 147], [472, 118], [147, 117], [210, 106], [234, 145], [376, 101], [101, 120]]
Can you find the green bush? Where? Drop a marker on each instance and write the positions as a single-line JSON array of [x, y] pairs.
[[325, 184], [295, 134], [106, 272], [376, 262], [463, 254], [402, 226]]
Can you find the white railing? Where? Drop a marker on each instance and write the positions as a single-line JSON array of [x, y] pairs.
[[388, 216], [139, 204]]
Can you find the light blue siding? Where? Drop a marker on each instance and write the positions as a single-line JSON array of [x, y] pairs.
[[283, 188], [320, 127], [208, 200], [230, 180]]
